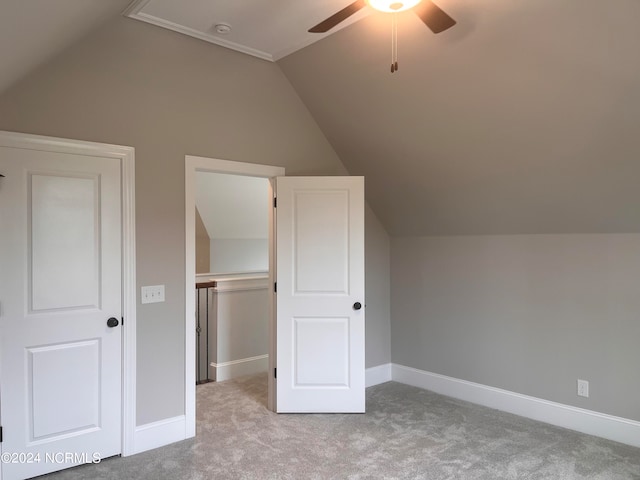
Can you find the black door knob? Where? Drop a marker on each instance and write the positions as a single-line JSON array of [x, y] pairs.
[[113, 322], [357, 306]]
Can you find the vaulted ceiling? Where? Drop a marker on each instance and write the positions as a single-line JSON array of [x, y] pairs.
[[523, 118], [33, 31]]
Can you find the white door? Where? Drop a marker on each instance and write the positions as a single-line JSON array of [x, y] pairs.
[[320, 294], [60, 281]]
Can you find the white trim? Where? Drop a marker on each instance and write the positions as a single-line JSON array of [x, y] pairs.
[[135, 11], [586, 421], [157, 434], [176, 27], [238, 368], [129, 305], [216, 165], [224, 285], [377, 375], [273, 347], [63, 145], [203, 164], [127, 159]]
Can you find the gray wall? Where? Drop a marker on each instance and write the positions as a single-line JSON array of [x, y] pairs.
[[377, 287], [168, 95], [234, 255], [526, 313]]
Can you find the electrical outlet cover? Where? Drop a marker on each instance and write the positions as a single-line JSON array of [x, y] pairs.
[[583, 388]]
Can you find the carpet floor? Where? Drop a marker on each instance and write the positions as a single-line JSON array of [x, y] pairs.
[[407, 433]]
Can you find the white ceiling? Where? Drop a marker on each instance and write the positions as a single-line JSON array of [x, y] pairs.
[[268, 30]]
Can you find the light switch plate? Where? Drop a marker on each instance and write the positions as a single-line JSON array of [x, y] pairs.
[[152, 294]]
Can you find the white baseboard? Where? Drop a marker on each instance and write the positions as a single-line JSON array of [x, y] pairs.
[[238, 368], [586, 421], [377, 375], [158, 434]]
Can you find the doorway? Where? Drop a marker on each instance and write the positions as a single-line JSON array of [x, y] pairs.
[[232, 270], [195, 164]]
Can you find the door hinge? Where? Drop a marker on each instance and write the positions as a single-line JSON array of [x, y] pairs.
[[122, 318], [0, 434], [275, 287], [275, 373], [275, 202]]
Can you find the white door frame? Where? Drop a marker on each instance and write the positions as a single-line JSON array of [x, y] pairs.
[[195, 164], [126, 155]]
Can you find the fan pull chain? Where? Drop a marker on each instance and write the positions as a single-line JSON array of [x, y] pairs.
[[394, 42]]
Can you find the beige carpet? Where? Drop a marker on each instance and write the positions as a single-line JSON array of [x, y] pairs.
[[407, 433]]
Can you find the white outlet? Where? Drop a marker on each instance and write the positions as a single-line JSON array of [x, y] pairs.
[[583, 388], [152, 294]]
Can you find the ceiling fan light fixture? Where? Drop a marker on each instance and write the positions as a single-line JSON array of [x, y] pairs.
[[391, 6]]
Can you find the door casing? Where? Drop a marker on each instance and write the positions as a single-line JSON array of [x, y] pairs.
[[126, 156], [195, 164]]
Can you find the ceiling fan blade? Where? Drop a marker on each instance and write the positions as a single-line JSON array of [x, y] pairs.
[[336, 18], [433, 16]]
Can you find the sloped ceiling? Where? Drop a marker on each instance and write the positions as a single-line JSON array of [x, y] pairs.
[[233, 206], [523, 118], [33, 31]]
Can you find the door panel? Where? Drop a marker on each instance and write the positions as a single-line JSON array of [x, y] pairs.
[[320, 275], [316, 366], [60, 258], [63, 374], [61, 210], [330, 276]]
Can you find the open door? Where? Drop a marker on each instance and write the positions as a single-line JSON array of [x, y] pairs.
[[320, 294]]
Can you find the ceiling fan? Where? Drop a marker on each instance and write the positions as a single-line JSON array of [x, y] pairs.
[[432, 16]]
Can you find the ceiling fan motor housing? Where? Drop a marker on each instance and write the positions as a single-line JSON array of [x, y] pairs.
[[391, 5]]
